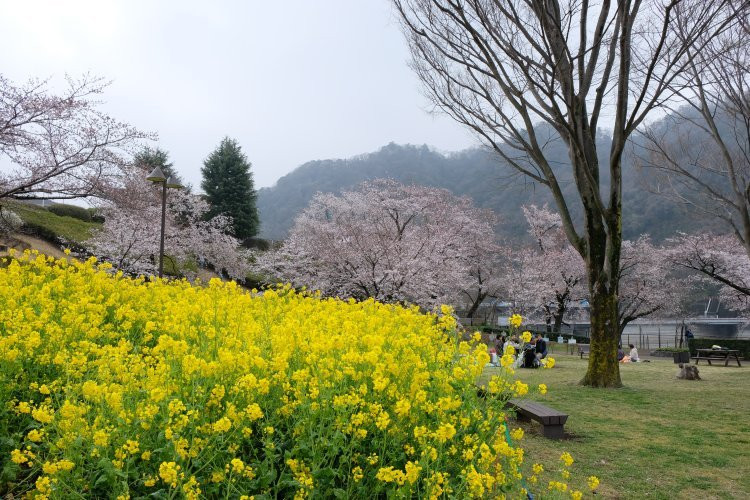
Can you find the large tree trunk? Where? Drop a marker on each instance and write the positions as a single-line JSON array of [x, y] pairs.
[[558, 323], [474, 306], [603, 369]]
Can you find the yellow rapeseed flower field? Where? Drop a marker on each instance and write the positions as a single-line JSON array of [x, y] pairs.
[[115, 387]]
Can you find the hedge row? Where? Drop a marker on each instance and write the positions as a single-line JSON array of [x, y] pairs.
[[742, 345]]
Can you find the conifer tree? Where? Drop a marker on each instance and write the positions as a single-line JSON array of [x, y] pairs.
[[228, 184]]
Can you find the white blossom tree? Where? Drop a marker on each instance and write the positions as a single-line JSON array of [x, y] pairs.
[[556, 274], [715, 259], [388, 241], [129, 238], [647, 287], [486, 260], [554, 270], [60, 146]]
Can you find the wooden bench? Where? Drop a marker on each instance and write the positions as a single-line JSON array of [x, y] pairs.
[[584, 349], [552, 420]]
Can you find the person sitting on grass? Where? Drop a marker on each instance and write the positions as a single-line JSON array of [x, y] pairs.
[[528, 356], [541, 347], [620, 353], [633, 354]]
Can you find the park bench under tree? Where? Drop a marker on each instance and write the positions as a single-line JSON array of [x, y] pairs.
[[552, 420]]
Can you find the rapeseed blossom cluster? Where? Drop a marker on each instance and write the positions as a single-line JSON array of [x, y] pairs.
[[116, 387]]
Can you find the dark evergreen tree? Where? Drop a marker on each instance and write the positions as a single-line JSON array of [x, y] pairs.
[[148, 158], [229, 188]]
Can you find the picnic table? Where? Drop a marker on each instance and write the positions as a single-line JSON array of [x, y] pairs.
[[717, 355]]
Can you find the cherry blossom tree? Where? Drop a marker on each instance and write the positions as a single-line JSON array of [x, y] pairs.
[[487, 263], [715, 259], [129, 238], [554, 270], [557, 275], [647, 287], [60, 146], [388, 241]]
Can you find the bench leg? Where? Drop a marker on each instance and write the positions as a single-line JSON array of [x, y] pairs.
[[553, 431], [522, 418]]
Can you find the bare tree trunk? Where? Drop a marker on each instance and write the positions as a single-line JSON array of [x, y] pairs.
[[474, 306], [603, 369]]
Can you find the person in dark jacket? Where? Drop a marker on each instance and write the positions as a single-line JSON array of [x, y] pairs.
[[541, 347]]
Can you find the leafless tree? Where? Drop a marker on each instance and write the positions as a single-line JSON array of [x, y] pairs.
[[500, 67], [59, 146], [701, 151]]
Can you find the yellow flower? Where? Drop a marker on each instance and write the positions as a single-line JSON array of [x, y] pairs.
[[557, 485], [17, 456], [412, 472], [445, 432], [169, 473], [515, 320], [537, 468], [222, 425], [542, 389], [357, 474], [517, 434], [593, 483], [34, 435], [567, 459], [43, 485], [526, 336]]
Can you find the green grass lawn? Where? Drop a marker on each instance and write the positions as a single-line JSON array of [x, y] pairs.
[[68, 228], [657, 437]]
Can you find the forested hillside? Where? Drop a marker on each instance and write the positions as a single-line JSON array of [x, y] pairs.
[[474, 173]]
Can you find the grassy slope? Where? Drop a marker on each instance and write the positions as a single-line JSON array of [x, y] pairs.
[[658, 437], [68, 228]]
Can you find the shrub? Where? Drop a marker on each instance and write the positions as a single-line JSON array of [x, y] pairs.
[[74, 211], [96, 215], [9, 221], [115, 386], [41, 231], [742, 345]]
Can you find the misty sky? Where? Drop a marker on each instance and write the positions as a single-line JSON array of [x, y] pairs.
[[292, 81]]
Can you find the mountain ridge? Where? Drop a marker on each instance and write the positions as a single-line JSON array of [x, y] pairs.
[[473, 172]]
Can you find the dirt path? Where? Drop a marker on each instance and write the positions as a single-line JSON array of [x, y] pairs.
[[22, 242]]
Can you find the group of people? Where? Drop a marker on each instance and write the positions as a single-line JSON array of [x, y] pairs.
[[630, 358], [527, 354]]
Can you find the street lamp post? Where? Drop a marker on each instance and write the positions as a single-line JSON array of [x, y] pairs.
[[157, 177]]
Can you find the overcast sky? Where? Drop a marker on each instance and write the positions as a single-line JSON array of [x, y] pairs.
[[292, 81]]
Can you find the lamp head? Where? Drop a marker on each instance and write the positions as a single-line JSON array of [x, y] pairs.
[[173, 182], [156, 175]]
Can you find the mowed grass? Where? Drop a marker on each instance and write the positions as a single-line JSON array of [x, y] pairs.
[[657, 437], [65, 227]]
